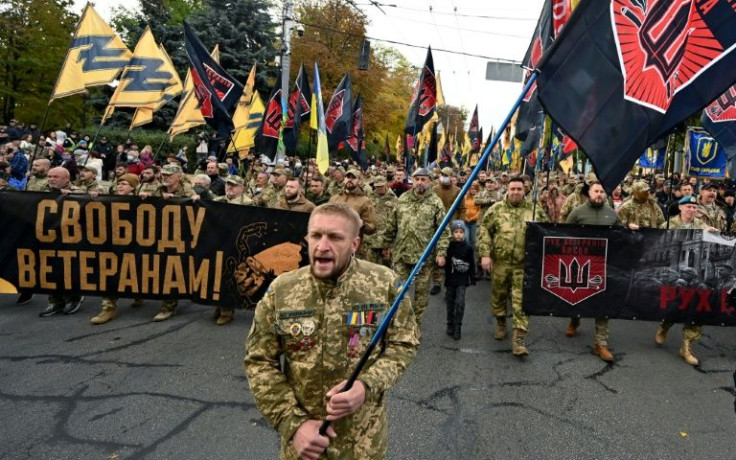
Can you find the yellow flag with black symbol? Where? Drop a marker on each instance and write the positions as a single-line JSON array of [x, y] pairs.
[[144, 115], [245, 137], [440, 94], [189, 115], [148, 81], [241, 116], [95, 57]]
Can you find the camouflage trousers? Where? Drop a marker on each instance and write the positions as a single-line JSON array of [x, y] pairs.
[[507, 282], [375, 255], [226, 312], [437, 273], [111, 303], [421, 286], [601, 330], [169, 305], [690, 332]]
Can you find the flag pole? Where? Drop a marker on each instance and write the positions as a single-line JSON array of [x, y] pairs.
[[381, 331], [668, 164], [158, 150], [40, 132]]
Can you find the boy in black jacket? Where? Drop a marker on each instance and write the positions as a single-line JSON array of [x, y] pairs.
[[459, 273]]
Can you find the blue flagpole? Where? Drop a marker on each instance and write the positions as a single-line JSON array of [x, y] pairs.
[[428, 250]]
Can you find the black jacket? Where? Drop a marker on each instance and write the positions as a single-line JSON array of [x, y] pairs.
[[459, 264]]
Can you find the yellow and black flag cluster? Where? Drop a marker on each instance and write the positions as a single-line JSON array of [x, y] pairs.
[[95, 56], [148, 81], [189, 115]]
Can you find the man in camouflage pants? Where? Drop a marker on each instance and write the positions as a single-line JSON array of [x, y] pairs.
[[501, 240], [384, 201], [409, 229], [319, 320]]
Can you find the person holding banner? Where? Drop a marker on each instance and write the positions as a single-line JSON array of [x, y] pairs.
[[595, 211], [641, 211], [125, 186], [708, 211], [319, 320], [689, 209], [501, 241]]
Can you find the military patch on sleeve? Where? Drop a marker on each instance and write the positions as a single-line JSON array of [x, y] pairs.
[[288, 314]]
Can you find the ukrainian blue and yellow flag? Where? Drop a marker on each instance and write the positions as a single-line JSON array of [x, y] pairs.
[[95, 56], [323, 154], [148, 81]]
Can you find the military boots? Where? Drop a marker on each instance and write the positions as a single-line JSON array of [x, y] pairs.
[[687, 353], [104, 317], [500, 332], [661, 335], [519, 345]]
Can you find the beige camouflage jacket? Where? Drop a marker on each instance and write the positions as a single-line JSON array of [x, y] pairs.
[[321, 328], [645, 215], [502, 232]]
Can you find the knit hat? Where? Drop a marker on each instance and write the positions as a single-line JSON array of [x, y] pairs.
[[458, 224]]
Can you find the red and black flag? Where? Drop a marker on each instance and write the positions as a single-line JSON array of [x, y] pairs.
[[299, 109], [624, 73], [356, 139], [387, 149], [267, 136], [475, 133], [424, 100], [529, 120], [339, 114], [433, 141], [719, 119], [217, 92]]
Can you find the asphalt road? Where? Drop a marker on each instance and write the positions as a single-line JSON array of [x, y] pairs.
[[137, 389]]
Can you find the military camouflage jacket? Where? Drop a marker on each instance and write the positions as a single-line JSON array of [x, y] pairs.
[[572, 201], [411, 226], [502, 233], [88, 187], [149, 187], [487, 198], [321, 328], [712, 215], [384, 206], [269, 196], [362, 205], [184, 191], [676, 224], [647, 214], [38, 184], [242, 200]]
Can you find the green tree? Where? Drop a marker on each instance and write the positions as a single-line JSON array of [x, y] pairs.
[[34, 39]]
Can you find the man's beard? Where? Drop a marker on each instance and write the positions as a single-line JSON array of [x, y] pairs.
[[597, 204], [291, 197], [147, 179]]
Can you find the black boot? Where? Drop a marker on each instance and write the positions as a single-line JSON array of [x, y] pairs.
[[456, 332], [451, 330]]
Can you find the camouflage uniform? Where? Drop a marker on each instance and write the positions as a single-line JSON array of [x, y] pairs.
[[572, 201], [88, 187], [38, 184], [486, 198], [384, 206], [269, 196], [711, 214], [501, 236], [148, 187], [645, 215], [690, 332], [408, 232], [321, 329], [363, 205]]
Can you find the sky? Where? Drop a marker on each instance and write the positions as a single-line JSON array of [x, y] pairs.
[[495, 29]]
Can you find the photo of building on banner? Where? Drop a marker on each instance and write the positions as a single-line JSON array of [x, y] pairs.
[[704, 155]]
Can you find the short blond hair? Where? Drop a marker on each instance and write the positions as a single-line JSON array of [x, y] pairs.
[[339, 209]]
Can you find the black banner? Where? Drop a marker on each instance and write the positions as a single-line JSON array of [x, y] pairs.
[[208, 252], [682, 276]]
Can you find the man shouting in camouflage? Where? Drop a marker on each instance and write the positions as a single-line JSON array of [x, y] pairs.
[[320, 320]]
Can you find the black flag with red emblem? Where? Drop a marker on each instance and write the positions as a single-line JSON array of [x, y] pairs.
[[299, 108], [719, 119], [356, 139], [474, 132], [624, 73], [217, 92], [339, 114], [529, 120], [424, 99], [267, 136]]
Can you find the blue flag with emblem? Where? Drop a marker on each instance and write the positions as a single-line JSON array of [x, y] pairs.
[[95, 57], [653, 158], [217, 92], [705, 156], [719, 119]]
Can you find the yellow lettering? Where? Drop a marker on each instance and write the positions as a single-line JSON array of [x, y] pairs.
[[45, 269], [108, 267], [150, 272], [122, 230], [96, 222], [218, 276], [71, 230], [85, 270], [171, 229], [198, 277], [128, 274], [66, 258], [195, 223], [45, 206], [145, 230], [26, 268], [174, 276]]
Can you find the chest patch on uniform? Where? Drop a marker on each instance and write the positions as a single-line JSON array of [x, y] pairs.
[[369, 307], [288, 314]]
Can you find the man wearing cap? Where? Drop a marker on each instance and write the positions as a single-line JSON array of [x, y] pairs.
[[576, 198], [87, 181], [234, 188], [595, 211], [708, 210], [293, 198], [384, 202], [686, 219], [447, 192], [501, 243], [641, 210], [172, 186], [353, 195], [38, 180], [337, 180], [272, 192], [409, 228], [126, 186]]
